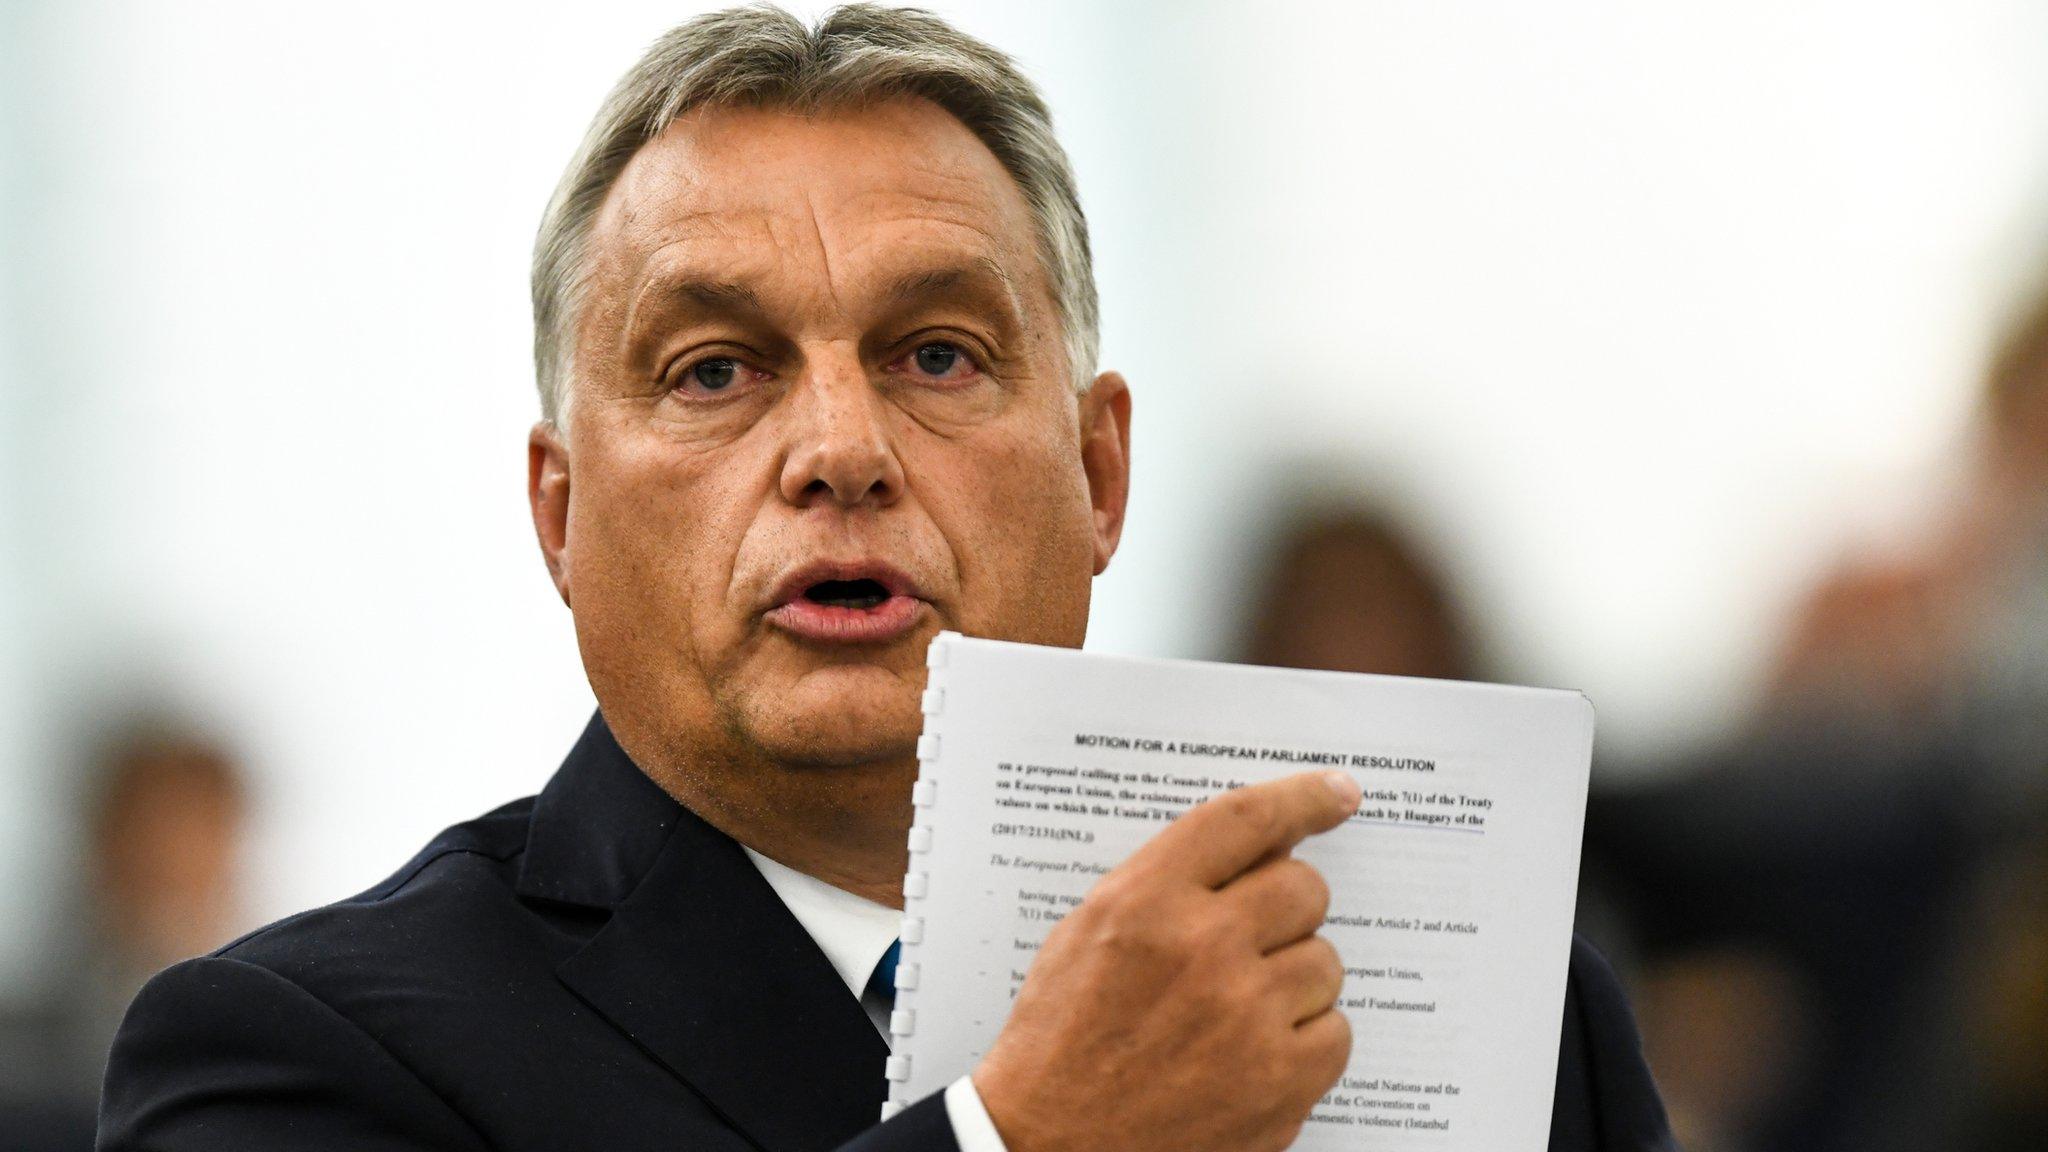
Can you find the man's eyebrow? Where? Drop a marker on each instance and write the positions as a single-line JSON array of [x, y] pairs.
[[717, 295], [937, 281]]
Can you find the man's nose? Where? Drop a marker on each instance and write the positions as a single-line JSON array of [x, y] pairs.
[[840, 448]]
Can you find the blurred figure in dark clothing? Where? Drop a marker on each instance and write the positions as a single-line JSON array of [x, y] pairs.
[[1348, 591], [2007, 1005], [1876, 845], [162, 833], [1944, 651], [1793, 902], [1948, 640]]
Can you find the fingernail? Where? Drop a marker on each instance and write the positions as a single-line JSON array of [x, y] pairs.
[[1344, 786]]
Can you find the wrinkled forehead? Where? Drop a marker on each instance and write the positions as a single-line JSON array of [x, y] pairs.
[[858, 196]]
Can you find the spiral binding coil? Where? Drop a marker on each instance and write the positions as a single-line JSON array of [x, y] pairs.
[[916, 881]]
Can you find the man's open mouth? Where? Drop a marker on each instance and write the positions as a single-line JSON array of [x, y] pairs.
[[847, 602], [857, 594]]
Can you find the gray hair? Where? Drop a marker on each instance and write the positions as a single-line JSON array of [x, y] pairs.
[[763, 56]]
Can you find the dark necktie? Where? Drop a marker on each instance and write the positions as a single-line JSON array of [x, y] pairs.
[[880, 995]]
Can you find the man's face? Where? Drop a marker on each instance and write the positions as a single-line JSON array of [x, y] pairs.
[[821, 411]]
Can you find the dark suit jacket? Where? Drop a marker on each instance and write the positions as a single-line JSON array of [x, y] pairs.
[[593, 968]]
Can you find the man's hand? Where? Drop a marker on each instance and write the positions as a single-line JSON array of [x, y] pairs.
[[1187, 1004]]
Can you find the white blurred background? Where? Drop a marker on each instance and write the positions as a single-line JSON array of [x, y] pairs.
[[1645, 313]]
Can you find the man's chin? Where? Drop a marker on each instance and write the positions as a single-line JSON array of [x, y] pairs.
[[837, 746], [839, 717]]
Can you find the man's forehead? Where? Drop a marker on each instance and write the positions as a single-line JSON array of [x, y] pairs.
[[901, 180]]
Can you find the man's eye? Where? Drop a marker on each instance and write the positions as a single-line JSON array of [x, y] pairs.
[[714, 375], [940, 360]]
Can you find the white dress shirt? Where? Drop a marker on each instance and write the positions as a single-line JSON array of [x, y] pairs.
[[855, 933]]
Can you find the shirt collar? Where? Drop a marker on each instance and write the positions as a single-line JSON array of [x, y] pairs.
[[852, 931]]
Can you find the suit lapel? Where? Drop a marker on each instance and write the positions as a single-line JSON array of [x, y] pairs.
[[704, 968]]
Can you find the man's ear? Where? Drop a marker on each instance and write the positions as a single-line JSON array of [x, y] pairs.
[[1106, 458], [547, 491]]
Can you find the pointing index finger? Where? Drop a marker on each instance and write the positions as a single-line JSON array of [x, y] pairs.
[[1221, 837]]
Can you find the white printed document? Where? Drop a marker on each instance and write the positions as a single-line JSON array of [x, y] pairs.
[[1452, 887]]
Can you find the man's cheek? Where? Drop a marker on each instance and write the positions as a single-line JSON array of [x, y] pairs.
[[1010, 566]]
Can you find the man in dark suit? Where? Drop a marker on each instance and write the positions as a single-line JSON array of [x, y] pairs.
[[815, 330]]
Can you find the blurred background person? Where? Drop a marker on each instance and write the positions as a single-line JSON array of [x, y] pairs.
[[1946, 635], [1347, 588], [1928, 669], [1841, 910], [162, 834]]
